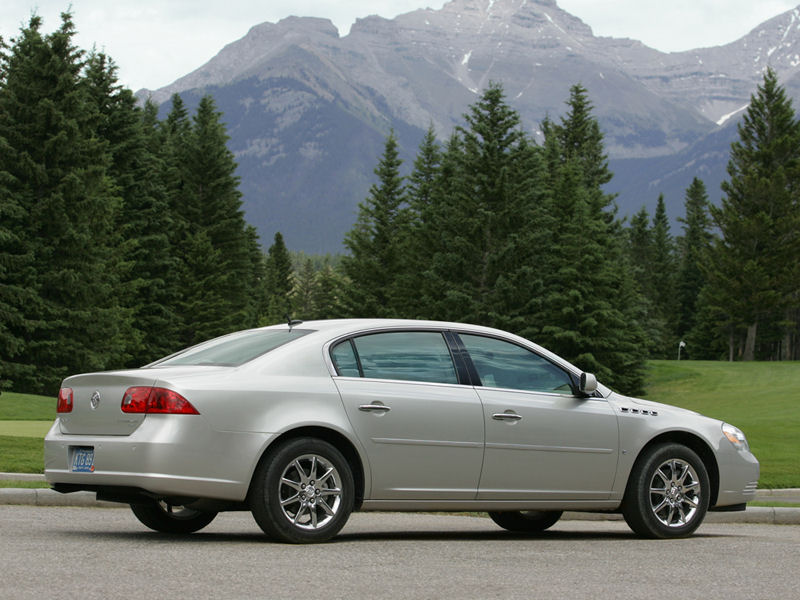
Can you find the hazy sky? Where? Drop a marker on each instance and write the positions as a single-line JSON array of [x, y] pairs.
[[156, 41]]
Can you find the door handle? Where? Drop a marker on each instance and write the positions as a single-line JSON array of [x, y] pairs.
[[381, 408], [506, 417]]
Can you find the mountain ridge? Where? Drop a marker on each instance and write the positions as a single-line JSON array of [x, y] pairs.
[[286, 90]]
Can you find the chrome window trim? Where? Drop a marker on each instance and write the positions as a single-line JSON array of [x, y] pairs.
[[479, 331], [460, 386], [534, 393], [326, 347]]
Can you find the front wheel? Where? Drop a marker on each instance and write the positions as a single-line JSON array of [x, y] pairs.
[[162, 516], [302, 492], [668, 493], [526, 521]]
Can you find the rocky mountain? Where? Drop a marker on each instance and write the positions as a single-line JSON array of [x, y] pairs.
[[308, 110]]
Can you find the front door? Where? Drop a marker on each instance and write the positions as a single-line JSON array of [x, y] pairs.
[[542, 442]]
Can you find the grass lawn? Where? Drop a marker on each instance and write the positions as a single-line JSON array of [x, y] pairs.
[[36, 429], [24, 421], [760, 398], [21, 454], [13, 483], [26, 407]]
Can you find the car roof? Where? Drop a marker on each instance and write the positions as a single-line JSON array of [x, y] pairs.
[[344, 326], [335, 328]]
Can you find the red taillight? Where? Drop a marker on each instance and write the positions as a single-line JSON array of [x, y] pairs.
[[134, 400], [64, 400], [156, 400]]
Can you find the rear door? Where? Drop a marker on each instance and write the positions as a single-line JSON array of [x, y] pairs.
[[422, 429]]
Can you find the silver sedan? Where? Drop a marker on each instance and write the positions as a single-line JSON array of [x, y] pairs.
[[305, 422]]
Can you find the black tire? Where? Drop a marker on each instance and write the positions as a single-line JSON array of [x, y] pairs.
[[167, 518], [302, 492], [668, 492], [526, 521]]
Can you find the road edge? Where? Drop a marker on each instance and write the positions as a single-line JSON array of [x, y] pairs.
[[773, 515]]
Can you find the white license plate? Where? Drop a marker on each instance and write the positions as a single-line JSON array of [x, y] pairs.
[[82, 460]]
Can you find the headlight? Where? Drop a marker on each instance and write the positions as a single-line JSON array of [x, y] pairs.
[[735, 436]]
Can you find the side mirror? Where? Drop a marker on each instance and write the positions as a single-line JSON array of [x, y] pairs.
[[588, 384]]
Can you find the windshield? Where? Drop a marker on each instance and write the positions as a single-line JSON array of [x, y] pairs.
[[232, 350]]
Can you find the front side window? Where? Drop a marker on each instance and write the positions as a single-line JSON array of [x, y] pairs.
[[502, 364], [404, 355]]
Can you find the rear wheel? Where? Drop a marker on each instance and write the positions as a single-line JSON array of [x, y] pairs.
[[162, 516], [526, 521], [668, 493], [302, 492]]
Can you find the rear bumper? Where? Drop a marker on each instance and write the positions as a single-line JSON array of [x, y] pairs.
[[168, 455]]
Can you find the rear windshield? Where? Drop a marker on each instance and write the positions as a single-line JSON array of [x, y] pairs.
[[233, 350]]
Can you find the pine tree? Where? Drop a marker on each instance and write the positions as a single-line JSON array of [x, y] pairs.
[[174, 135], [205, 205], [258, 278], [216, 200], [16, 267], [753, 266], [580, 139], [149, 223], [525, 249], [592, 309], [146, 262], [694, 247], [304, 291], [423, 179], [484, 219], [327, 297], [413, 237], [16, 258], [201, 299], [652, 255], [663, 274], [279, 283], [431, 257], [640, 248], [121, 238], [640, 252], [373, 242], [57, 172]]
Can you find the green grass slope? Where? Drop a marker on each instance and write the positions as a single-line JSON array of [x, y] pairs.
[[760, 398], [26, 407], [24, 421]]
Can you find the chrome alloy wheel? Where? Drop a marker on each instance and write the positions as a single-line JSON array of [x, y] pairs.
[[675, 493], [310, 492]]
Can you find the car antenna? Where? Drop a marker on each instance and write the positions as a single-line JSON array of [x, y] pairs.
[[292, 322]]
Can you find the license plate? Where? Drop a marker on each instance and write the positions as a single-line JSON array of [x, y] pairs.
[[82, 460]]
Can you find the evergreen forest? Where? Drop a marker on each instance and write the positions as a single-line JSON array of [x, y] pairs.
[[122, 235]]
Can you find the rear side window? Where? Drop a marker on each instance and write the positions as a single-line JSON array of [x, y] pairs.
[[344, 358], [233, 350], [404, 355], [502, 364]]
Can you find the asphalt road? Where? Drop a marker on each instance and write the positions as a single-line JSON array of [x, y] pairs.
[[87, 553]]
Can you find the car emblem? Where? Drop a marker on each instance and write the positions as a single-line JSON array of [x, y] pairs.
[[95, 400]]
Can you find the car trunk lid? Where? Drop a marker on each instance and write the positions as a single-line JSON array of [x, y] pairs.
[[97, 399]]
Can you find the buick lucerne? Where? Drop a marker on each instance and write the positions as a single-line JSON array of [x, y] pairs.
[[303, 423]]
